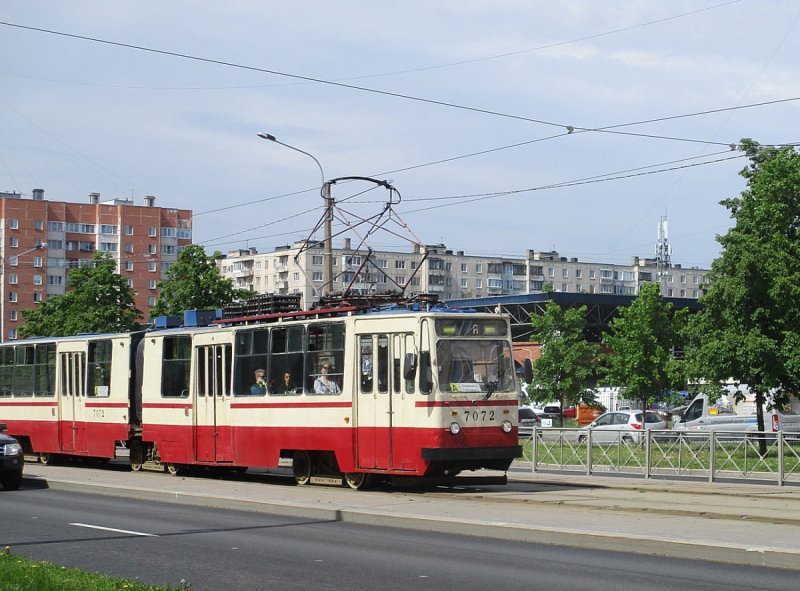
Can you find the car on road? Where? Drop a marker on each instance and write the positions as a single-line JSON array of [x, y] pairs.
[[528, 419], [624, 425], [11, 461]]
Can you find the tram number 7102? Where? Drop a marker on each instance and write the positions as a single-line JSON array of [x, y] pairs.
[[478, 415]]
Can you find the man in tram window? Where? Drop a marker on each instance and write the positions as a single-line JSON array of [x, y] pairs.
[[287, 385], [325, 384], [260, 386]]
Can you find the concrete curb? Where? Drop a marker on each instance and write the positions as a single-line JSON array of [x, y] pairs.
[[772, 557]]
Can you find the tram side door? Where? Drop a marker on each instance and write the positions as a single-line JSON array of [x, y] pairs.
[[72, 381], [212, 429], [378, 403]]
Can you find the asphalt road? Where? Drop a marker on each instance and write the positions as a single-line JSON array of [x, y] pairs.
[[217, 549]]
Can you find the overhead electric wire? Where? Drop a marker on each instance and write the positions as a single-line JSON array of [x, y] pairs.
[[569, 127]]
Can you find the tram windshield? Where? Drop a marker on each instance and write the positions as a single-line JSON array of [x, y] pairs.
[[472, 365]]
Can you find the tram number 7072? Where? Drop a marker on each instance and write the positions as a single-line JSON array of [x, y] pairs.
[[478, 415]]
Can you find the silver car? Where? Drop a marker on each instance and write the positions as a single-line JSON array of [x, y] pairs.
[[624, 425]]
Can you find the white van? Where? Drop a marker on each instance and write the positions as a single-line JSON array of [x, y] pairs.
[[727, 415]]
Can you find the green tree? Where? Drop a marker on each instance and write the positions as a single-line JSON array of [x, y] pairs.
[[97, 300], [641, 343], [563, 370], [195, 283], [749, 327]]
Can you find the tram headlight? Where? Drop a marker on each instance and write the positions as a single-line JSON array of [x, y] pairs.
[[507, 426], [455, 428]]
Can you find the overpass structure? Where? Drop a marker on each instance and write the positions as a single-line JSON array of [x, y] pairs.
[[600, 309]]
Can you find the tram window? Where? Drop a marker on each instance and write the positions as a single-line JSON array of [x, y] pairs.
[[383, 363], [23, 370], [99, 368], [396, 356], [325, 348], [6, 370], [251, 355], [286, 357], [365, 363], [409, 369], [176, 361], [45, 377]]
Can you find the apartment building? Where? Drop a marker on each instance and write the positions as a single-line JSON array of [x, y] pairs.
[[450, 274], [41, 240]]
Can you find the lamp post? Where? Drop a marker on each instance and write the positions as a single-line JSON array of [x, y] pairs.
[[325, 191], [3, 310]]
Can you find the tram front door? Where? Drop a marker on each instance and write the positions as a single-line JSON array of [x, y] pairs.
[[71, 404], [382, 415]]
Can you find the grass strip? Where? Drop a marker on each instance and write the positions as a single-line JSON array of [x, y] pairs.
[[22, 574]]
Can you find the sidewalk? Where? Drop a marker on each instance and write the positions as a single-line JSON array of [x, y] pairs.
[[735, 523]]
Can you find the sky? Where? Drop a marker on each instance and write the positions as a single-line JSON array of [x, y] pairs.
[[484, 116]]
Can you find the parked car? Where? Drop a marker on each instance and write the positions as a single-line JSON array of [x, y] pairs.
[[570, 412], [621, 424], [11, 461], [528, 419]]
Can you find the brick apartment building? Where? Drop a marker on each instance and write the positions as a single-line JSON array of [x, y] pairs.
[[41, 240]]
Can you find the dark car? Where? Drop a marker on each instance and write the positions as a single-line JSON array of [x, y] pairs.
[[11, 461], [527, 421]]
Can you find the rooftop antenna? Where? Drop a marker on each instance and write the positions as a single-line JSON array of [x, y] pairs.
[[663, 252]]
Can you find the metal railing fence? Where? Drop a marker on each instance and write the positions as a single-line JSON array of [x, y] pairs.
[[712, 455]]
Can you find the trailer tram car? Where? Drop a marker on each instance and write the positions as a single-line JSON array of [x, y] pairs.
[[349, 395]]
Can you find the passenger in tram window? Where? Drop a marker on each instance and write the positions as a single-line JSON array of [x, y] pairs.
[[325, 384], [287, 386], [260, 387]]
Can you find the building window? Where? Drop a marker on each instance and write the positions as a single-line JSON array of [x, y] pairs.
[[479, 268], [108, 229], [295, 276], [12, 296], [464, 283], [383, 264], [184, 234], [151, 301], [151, 231], [129, 230], [12, 333], [168, 249], [86, 246], [55, 226], [12, 278], [564, 288], [13, 242], [399, 264], [37, 279], [129, 247], [108, 246], [564, 273], [683, 279], [151, 284], [151, 249], [13, 224], [37, 296], [479, 283], [129, 265], [151, 266], [400, 280], [168, 232], [316, 276], [592, 275], [38, 225], [55, 244], [130, 282], [37, 262], [12, 315], [55, 280], [354, 260], [316, 259], [13, 261]]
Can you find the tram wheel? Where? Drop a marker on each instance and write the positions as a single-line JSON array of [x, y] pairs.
[[136, 455], [174, 469], [301, 467], [357, 480], [46, 458]]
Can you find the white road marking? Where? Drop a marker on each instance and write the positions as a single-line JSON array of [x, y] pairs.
[[119, 531]]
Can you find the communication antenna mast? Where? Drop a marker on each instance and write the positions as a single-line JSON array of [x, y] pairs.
[[663, 252]]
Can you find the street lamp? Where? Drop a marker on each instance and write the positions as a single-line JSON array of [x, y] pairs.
[[3, 310], [325, 191]]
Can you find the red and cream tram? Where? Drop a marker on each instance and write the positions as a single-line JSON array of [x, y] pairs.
[[344, 393]]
